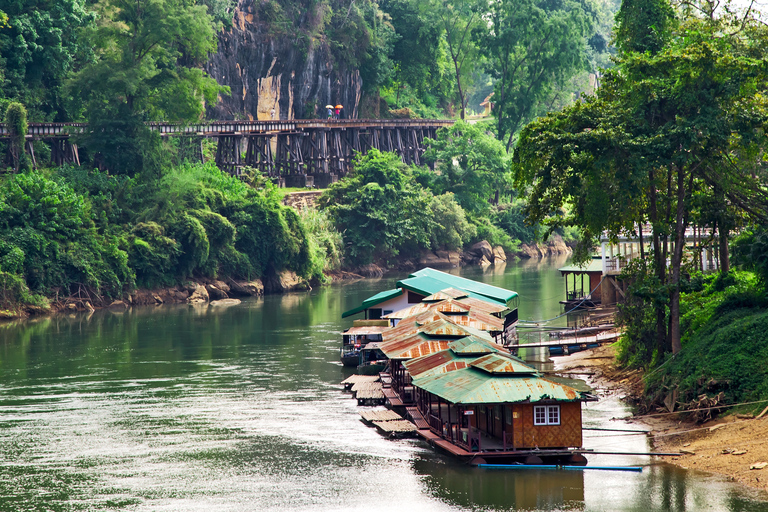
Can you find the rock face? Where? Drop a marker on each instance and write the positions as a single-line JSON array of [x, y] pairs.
[[216, 293], [277, 76], [286, 281], [199, 296], [555, 245], [482, 250], [483, 254], [440, 259], [246, 288]]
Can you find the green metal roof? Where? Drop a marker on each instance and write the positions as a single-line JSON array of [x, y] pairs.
[[474, 386], [429, 281], [372, 301], [595, 265]]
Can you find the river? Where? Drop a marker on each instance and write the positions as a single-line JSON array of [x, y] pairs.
[[178, 408]]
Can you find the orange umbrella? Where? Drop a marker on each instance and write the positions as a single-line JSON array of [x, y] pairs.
[[339, 106]]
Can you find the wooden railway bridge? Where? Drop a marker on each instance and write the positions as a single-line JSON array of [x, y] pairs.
[[293, 152]]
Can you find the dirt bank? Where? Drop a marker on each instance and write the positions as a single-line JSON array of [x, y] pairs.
[[731, 446]]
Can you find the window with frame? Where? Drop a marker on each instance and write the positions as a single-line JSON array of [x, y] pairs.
[[546, 415]]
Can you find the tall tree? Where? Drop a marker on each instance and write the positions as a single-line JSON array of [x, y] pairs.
[[532, 46], [147, 67], [458, 18], [662, 126], [472, 165], [39, 47]]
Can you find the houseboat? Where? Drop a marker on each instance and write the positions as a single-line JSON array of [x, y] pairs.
[[354, 339], [429, 285], [484, 405]]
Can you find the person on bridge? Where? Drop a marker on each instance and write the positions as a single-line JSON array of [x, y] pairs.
[[330, 111]]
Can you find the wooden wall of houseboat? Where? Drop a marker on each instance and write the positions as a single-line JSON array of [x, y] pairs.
[[528, 435], [523, 432]]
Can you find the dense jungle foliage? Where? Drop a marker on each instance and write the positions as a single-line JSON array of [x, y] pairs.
[[74, 231], [674, 142]]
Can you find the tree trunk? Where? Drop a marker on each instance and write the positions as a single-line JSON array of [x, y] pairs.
[[658, 265], [677, 258], [725, 264]]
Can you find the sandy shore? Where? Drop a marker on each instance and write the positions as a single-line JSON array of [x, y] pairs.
[[736, 447]]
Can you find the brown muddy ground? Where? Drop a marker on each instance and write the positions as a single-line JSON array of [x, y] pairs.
[[729, 446]]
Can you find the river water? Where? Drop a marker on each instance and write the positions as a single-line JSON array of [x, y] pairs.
[[176, 408]]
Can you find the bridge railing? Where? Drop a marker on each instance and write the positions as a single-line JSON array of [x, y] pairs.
[[216, 128]]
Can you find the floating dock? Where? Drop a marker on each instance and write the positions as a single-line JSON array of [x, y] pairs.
[[389, 423]]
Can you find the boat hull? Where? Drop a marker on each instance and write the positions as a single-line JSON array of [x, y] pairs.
[[371, 369]]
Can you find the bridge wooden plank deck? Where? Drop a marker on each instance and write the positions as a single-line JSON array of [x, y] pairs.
[[294, 152]]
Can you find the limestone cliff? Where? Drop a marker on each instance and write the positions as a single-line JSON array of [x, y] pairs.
[[275, 75]]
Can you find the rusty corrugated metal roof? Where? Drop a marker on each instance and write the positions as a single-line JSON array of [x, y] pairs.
[[423, 364], [359, 331], [482, 305], [409, 324], [445, 327], [445, 367], [499, 365], [448, 293], [472, 345], [422, 349], [473, 386], [412, 345]]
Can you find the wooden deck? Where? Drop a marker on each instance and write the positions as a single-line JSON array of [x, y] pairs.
[[393, 398], [417, 418], [582, 342]]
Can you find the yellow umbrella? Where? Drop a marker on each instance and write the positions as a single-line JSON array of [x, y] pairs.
[[329, 106]]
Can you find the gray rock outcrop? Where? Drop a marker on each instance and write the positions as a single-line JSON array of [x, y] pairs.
[[199, 296], [277, 76], [253, 288]]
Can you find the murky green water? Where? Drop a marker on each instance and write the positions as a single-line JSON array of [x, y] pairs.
[[177, 408]]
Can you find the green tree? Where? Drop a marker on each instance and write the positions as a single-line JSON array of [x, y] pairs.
[[420, 51], [532, 47], [380, 210], [471, 164], [662, 127], [16, 123], [458, 18], [40, 45], [147, 68], [644, 25]]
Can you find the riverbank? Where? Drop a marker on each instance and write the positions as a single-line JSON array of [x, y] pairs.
[[202, 290], [732, 446]]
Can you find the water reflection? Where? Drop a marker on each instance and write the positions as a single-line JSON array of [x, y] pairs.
[[178, 408], [501, 489]]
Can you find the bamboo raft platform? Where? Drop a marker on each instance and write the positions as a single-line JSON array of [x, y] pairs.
[[350, 381], [389, 423], [368, 393], [396, 428], [385, 415]]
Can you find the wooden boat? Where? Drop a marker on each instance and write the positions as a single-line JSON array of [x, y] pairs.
[[372, 359]]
